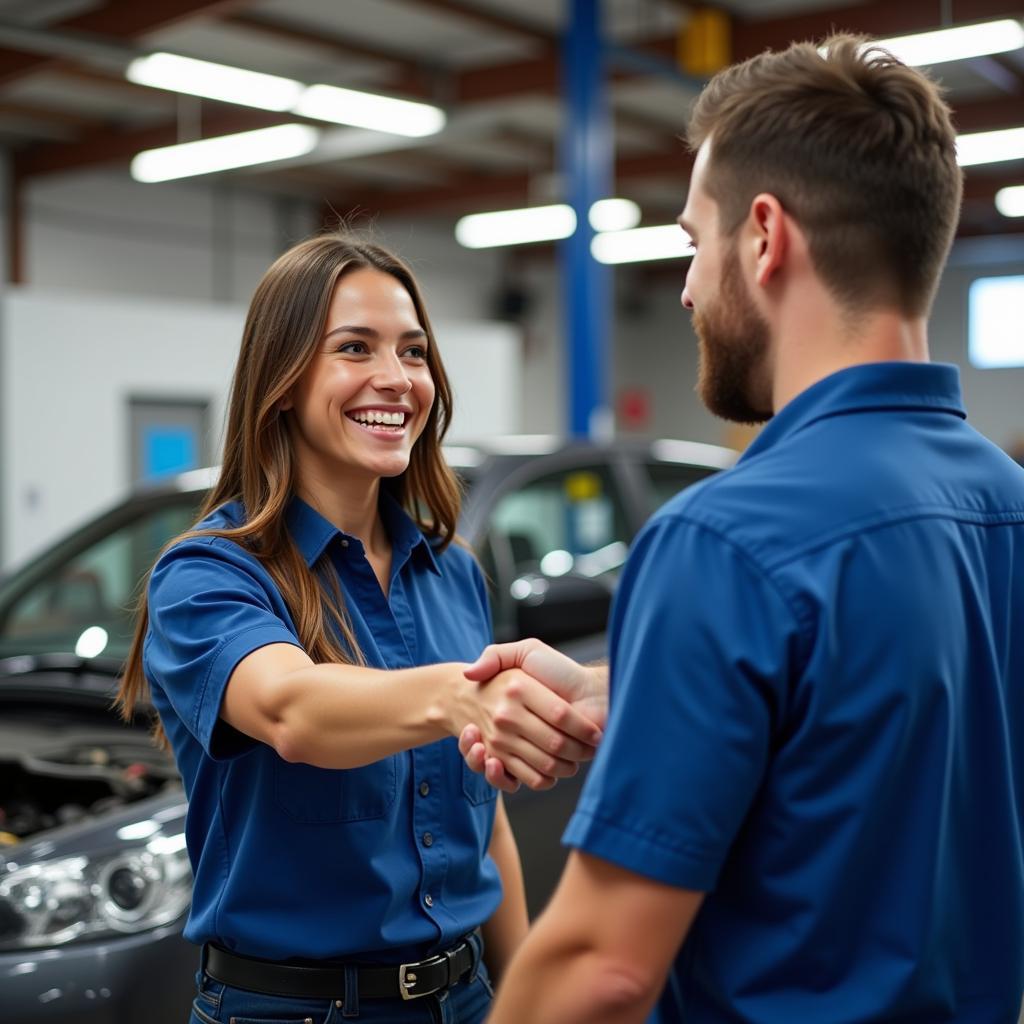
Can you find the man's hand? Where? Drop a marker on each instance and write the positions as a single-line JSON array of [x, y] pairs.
[[537, 734], [585, 688]]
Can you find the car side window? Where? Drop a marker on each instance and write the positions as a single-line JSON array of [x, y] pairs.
[[96, 588], [572, 520], [556, 520], [667, 479]]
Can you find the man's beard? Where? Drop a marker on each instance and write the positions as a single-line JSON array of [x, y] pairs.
[[733, 343]]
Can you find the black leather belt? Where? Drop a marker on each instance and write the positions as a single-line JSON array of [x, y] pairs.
[[327, 981]]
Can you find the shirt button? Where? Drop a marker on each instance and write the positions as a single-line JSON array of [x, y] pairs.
[[424, 788], [344, 543], [428, 839], [429, 900]]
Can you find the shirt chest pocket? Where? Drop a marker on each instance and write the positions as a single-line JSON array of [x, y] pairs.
[[321, 796], [476, 788]]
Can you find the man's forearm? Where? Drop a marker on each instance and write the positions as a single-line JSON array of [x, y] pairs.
[[600, 952], [555, 981]]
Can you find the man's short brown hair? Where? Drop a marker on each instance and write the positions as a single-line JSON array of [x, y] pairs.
[[857, 147]]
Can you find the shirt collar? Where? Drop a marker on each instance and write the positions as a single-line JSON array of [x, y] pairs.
[[889, 385], [312, 532]]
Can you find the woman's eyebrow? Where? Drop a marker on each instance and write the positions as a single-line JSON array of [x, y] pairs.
[[370, 332]]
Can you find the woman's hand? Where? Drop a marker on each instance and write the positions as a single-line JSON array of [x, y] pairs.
[[538, 735], [585, 687]]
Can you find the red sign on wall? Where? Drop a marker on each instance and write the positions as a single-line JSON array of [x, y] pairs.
[[634, 409]]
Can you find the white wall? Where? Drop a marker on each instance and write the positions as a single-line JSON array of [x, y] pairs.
[[70, 363], [68, 366]]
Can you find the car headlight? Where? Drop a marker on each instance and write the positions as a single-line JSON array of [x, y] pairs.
[[59, 901]]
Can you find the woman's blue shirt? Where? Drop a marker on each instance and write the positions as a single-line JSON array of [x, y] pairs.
[[386, 862]]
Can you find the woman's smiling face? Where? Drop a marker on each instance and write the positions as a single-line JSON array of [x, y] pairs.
[[362, 403]]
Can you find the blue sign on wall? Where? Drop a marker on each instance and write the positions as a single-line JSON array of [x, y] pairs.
[[168, 450]]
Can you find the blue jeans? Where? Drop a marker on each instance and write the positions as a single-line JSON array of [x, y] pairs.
[[468, 1002]]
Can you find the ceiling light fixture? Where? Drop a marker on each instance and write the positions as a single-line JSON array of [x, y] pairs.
[[215, 81], [1010, 201], [614, 215], [516, 227], [368, 110], [541, 223], [271, 92], [666, 241], [990, 147], [225, 152], [960, 43]]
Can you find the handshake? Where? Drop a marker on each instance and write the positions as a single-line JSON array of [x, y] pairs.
[[529, 715]]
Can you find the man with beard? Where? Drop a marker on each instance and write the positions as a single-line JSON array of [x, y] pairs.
[[808, 803]]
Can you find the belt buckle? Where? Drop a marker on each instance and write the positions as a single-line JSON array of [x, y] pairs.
[[407, 978]]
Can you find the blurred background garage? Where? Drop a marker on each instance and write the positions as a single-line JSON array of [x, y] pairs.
[[157, 156], [124, 297]]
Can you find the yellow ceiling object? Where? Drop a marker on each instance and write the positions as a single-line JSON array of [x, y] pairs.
[[704, 44]]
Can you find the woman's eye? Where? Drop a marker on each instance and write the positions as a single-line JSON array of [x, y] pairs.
[[416, 352], [356, 348]]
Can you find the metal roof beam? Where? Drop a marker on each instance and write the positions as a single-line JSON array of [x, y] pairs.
[[492, 19], [117, 20]]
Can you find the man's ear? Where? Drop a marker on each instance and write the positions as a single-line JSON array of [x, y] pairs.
[[769, 236]]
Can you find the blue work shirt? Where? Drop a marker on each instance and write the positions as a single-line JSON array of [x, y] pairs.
[[385, 862], [817, 716]]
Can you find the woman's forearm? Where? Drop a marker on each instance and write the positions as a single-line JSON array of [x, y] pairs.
[[344, 716]]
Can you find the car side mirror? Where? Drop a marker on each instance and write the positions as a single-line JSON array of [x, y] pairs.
[[560, 608]]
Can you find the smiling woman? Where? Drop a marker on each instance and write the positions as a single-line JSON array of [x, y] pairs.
[[310, 690], [364, 400]]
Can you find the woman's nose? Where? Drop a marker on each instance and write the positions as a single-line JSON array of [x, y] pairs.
[[392, 376]]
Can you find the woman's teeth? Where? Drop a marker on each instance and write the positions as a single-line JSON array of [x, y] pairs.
[[372, 418]]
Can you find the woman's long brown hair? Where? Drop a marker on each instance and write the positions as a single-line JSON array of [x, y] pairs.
[[286, 321]]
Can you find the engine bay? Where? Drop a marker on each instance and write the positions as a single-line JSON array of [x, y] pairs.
[[59, 768]]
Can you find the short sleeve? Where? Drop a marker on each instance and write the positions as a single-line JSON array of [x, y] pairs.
[[209, 607], [701, 644]]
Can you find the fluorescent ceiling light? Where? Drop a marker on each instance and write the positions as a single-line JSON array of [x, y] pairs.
[[215, 81], [990, 147], [1010, 201], [225, 152], [366, 110], [667, 241], [961, 43], [542, 223], [516, 227], [271, 92], [614, 215]]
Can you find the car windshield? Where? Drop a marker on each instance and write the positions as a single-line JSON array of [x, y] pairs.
[[80, 595]]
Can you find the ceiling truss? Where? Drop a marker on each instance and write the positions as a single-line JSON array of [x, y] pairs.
[[123, 25]]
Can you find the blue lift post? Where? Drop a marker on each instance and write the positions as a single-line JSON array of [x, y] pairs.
[[587, 164]]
